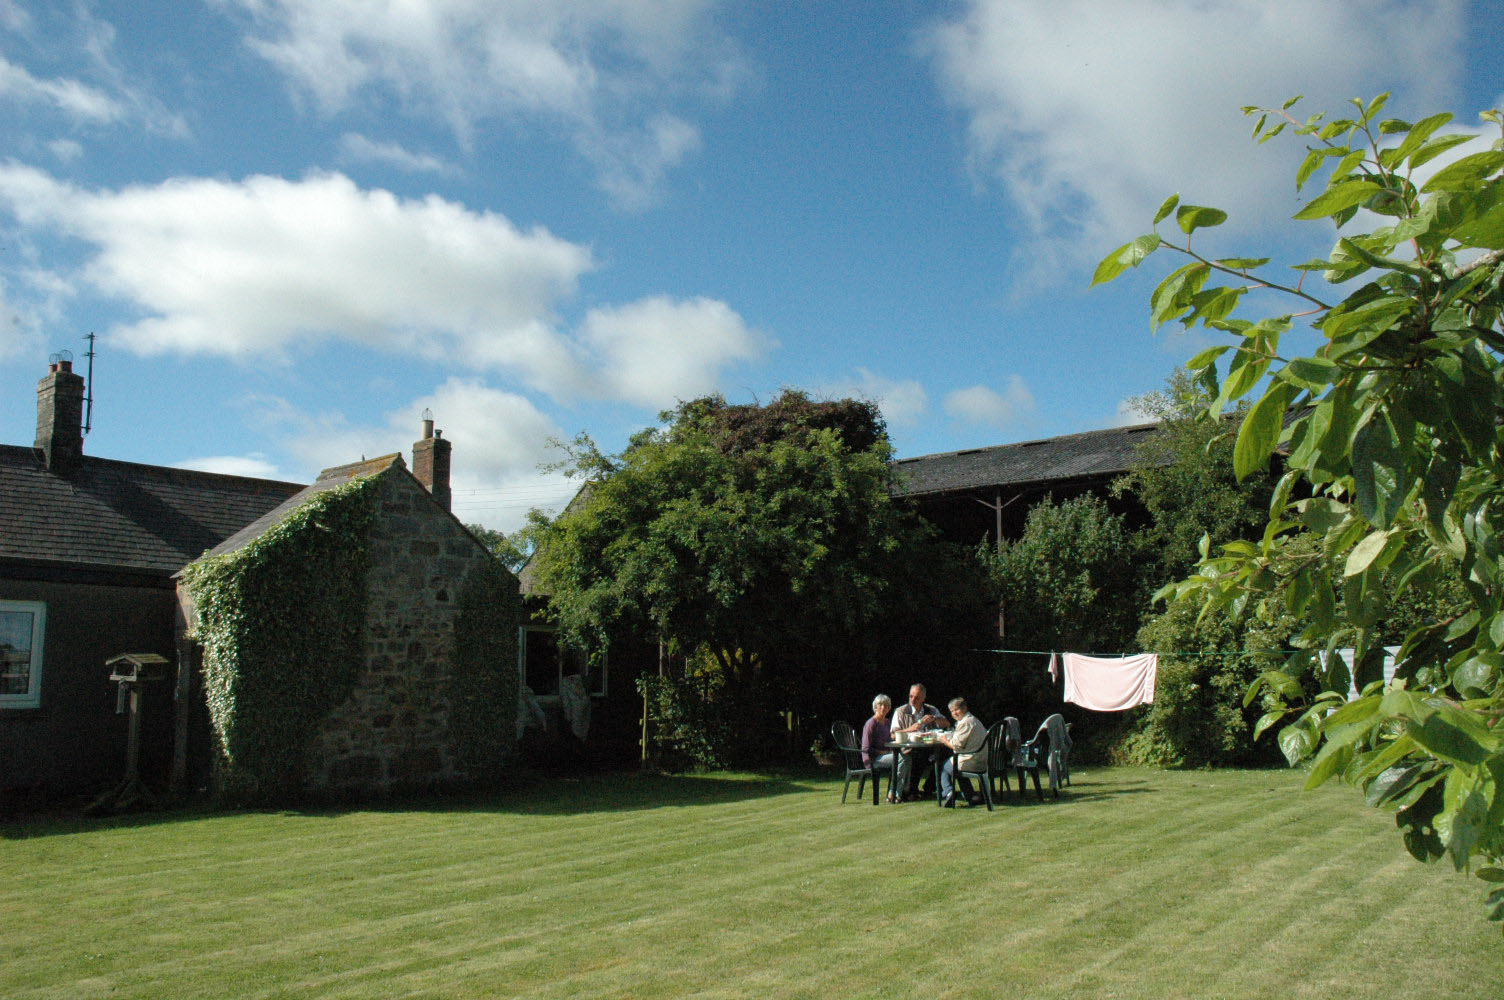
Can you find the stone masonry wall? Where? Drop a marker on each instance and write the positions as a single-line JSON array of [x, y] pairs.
[[393, 731]]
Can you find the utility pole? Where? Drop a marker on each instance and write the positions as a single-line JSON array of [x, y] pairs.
[[996, 506]]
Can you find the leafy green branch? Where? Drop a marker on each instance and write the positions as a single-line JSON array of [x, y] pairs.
[[1393, 436]]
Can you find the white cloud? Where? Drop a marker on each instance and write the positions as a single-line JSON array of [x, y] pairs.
[[31, 303], [656, 351], [605, 72], [260, 268], [903, 402], [66, 150], [499, 438], [18, 327], [1090, 114], [256, 266], [99, 93], [979, 404], [254, 465], [75, 99], [356, 148], [632, 165], [13, 17]]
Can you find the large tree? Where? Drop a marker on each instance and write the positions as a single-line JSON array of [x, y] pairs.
[[513, 550], [761, 540], [1183, 476], [1395, 428]]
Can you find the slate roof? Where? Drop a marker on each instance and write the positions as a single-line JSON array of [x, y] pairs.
[[327, 480], [527, 576], [1089, 456], [122, 515]]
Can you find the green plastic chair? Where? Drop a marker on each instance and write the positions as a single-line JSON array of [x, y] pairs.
[[1051, 749], [851, 756], [1021, 757]]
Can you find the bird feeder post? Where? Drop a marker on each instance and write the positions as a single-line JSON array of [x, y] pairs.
[[131, 671]]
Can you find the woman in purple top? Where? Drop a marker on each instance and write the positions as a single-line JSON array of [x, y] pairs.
[[875, 736]]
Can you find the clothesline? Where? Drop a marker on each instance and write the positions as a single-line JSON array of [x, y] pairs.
[[1118, 682], [1245, 652]]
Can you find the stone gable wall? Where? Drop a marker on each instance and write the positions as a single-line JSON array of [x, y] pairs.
[[394, 731]]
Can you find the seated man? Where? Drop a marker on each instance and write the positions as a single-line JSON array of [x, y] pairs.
[[913, 716], [969, 743]]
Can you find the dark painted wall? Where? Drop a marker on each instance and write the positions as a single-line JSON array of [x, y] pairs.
[[75, 742], [968, 521]]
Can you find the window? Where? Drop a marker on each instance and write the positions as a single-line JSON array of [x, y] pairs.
[[545, 663], [540, 661], [21, 625]]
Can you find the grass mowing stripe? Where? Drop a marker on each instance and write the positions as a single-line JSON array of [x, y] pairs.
[[742, 886], [566, 928], [1191, 925], [451, 866]]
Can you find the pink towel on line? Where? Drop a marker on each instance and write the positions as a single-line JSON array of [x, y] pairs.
[[1110, 684], [1053, 669]]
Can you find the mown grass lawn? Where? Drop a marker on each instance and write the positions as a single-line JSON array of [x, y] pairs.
[[1136, 883]]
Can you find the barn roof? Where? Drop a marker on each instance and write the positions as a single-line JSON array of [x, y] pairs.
[[1089, 456]]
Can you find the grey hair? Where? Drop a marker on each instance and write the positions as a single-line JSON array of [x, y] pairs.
[[956, 703], [883, 700]]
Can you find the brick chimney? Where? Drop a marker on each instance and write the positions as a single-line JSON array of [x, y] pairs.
[[431, 461], [60, 417]]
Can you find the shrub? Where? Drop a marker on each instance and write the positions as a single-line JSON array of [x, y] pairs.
[[1197, 718]]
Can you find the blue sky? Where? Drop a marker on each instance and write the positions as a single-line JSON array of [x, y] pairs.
[[295, 224]]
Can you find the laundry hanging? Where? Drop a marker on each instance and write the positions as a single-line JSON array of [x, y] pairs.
[[1349, 655], [1054, 669], [1110, 684]]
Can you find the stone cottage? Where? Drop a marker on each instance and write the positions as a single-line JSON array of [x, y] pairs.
[[423, 691]]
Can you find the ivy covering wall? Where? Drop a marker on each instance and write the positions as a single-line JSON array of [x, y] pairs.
[[281, 623], [483, 688]]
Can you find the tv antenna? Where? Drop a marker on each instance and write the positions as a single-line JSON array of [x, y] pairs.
[[89, 384]]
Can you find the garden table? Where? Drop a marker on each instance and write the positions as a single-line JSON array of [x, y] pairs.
[[931, 748]]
